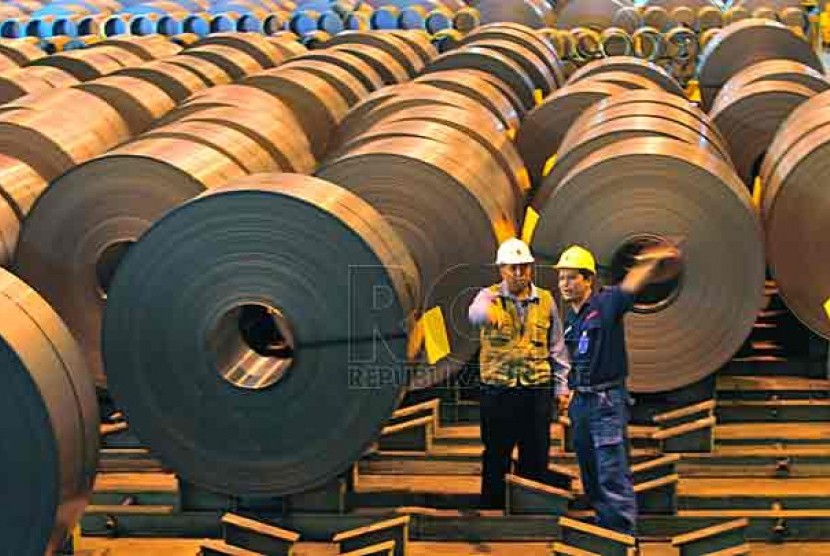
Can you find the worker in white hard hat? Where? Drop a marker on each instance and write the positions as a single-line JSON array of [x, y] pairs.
[[598, 411], [523, 362]]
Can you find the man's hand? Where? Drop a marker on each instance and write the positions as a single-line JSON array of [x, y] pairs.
[[494, 312], [663, 260]]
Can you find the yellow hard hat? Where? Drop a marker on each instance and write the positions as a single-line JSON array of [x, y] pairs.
[[577, 258]]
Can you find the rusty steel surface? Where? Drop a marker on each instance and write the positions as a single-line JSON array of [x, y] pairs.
[[235, 62], [50, 419], [147, 48], [208, 71], [531, 63], [391, 71], [265, 52], [656, 187], [349, 87], [139, 102], [20, 186], [392, 44], [178, 82], [779, 70], [325, 410], [361, 70]]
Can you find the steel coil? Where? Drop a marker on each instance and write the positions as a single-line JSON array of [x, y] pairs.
[[318, 106], [488, 91], [84, 65], [139, 102], [495, 63], [460, 187], [389, 69], [286, 442], [178, 82], [545, 126], [357, 67], [632, 65], [20, 52], [29, 81], [628, 18], [390, 43], [794, 208], [349, 87], [20, 186], [743, 44], [525, 38], [778, 70], [236, 63], [51, 141], [147, 48], [615, 42], [645, 190], [709, 17], [750, 116], [657, 17], [51, 423], [532, 13], [419, 41], [649, 43], [596, 14], [265, 52], [206, 70]]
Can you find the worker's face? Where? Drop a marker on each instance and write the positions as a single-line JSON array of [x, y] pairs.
[[573, 286], [517, 276]]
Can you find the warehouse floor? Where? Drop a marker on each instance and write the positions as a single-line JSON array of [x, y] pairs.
[[180, 547]]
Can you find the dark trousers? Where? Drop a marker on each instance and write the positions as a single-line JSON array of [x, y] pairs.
[[513, 417], [599, 422]]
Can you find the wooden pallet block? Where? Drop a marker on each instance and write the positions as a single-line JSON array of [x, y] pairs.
[[692, 436], [332, 497], [658, 496], [595, 539], [221, 548], [562, 549], [525, 496], [395, 529], [730, 535], [655, 468], [429, 408], [386, 548], [257, 536], [409, 434]]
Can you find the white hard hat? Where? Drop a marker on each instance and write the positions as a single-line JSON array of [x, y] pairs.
[[513, 251]]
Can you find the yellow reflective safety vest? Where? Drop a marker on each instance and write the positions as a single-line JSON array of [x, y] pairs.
[[517, 353]]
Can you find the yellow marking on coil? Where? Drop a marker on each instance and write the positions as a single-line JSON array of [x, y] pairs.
[[529, 226]]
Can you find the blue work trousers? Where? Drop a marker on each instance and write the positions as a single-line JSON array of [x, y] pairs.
[[599, 422]]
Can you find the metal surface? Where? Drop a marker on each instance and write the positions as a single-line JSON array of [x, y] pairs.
[[499, 65], [317, 104], [461, 186], [50, 423], [236, 63], [543, 128], [178, 82], [20, 186], [84, 64], [749, 117], [743, 44], [628, 18], [390, 43], [624, 79], [480, 86], [139, 102], [531, 63], [347, 85], [265, 52], [597, 14], [778, 70], [664, 188], [390, 70], [52, 139], [532, 13], [206, 70], [794, 210], [320, 416], [525, 37], [361, 70], [32, 80], [632, 65], [148, 48]]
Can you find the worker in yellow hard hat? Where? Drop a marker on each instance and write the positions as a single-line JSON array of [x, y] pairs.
[[522, 355], [598, 411]]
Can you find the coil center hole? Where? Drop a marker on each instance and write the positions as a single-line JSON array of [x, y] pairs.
[[252, 346], [108, 263], [666, 284]]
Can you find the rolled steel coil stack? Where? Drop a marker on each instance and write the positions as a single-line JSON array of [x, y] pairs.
[[752, 105], [745, 43], [794, 208], [273, 369], [218, 134], [449, 133], [50, 423], [646, 167]]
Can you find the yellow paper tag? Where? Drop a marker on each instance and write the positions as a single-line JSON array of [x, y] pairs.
[[827, 307], [538, 97], [76, 537], [548, 168], [531, 219], [756, 193], [693, 90], [435, 335], [523, 178], [511, 133]]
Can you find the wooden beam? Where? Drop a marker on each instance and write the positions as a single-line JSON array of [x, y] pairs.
[[258, 536], [221, 548], [702, 407]]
